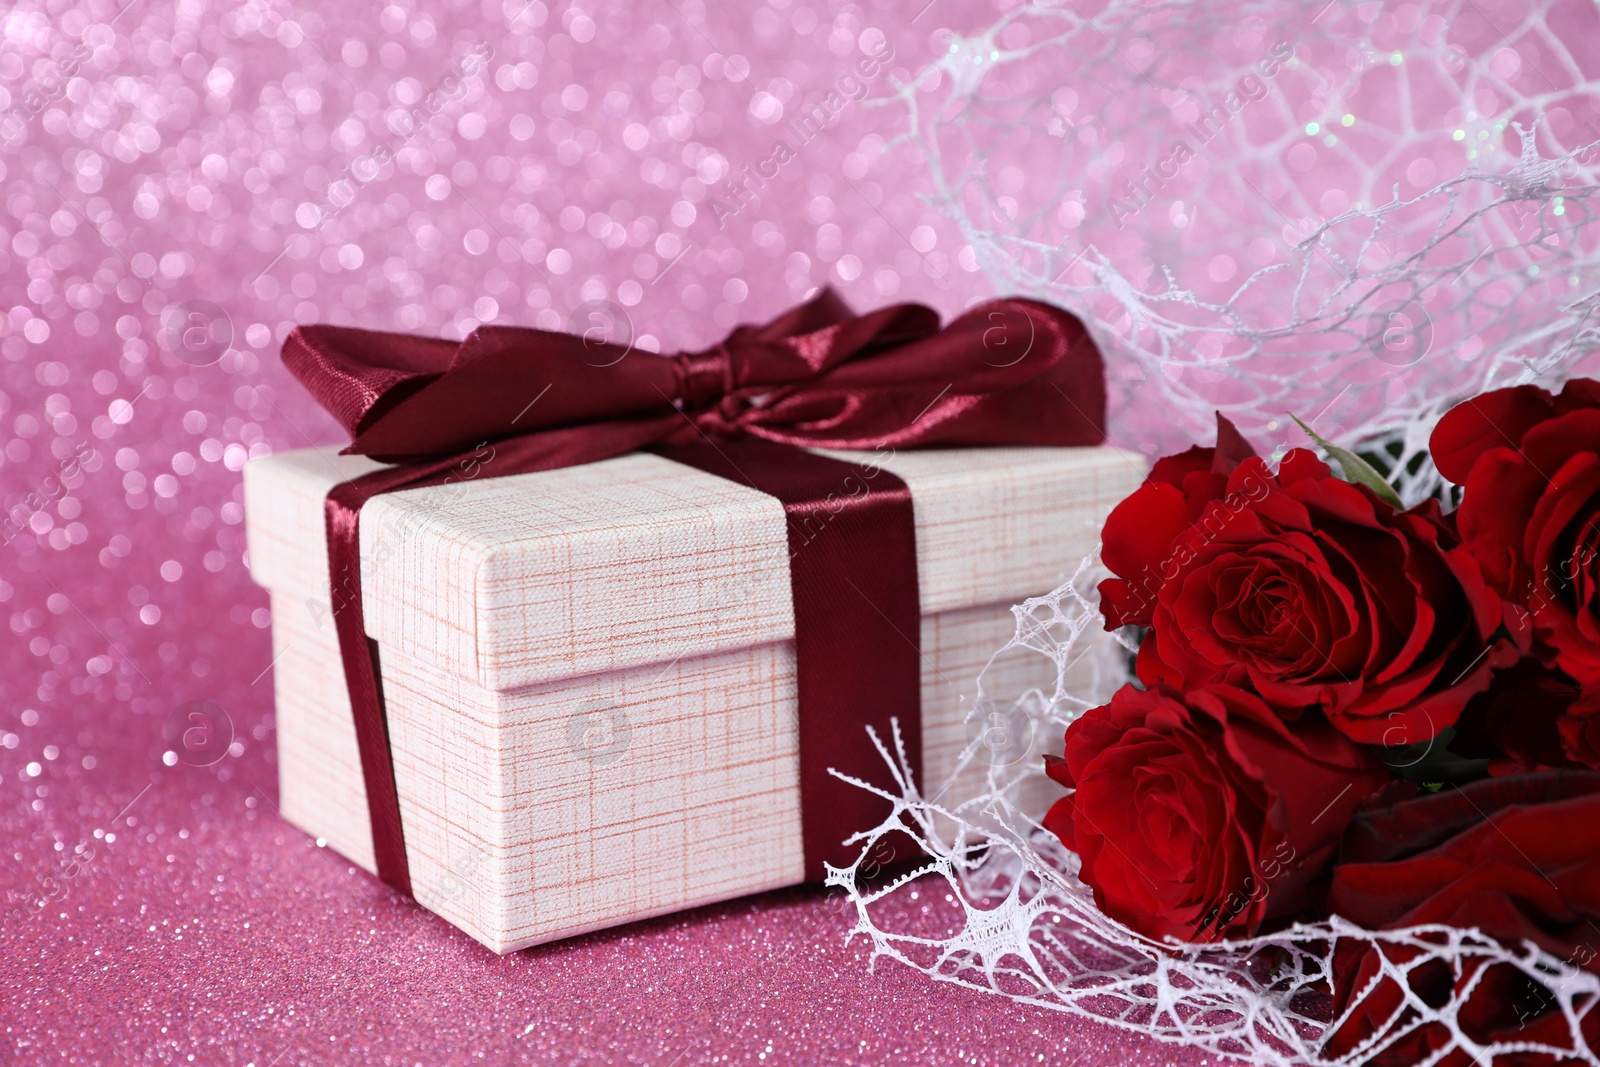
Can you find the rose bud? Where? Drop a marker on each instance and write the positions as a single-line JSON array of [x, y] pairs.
[[1205, 816], [1529, 465], [1317, 594]]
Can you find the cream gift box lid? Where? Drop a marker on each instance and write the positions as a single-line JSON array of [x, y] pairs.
[[527, 578]]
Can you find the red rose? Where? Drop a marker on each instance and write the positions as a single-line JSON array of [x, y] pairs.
[[1579, 727], [1202, 817], [1532, 718], [1529, 464], [1518, 858], [1139, 532], [1315, 593]]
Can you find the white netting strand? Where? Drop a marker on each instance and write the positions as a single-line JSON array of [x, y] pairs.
[[1353, 212]]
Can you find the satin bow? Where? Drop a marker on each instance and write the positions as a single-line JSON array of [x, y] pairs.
[[1009, 372]]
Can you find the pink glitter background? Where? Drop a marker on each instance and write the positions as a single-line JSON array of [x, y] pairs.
[[168, 215]]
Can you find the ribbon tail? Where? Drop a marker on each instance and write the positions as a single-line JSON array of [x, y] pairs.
[[857, 622], [359, 654]]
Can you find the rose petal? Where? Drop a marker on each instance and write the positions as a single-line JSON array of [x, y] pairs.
[[1492, 420]]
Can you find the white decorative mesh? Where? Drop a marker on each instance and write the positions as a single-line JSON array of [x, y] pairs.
[[1364, 274], [1442, 245], [1024, 926]]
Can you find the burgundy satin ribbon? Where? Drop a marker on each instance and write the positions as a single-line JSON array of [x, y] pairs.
[[1011, 372], [857, 624]]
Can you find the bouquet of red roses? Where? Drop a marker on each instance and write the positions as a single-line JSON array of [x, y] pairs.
[[1347, 707]]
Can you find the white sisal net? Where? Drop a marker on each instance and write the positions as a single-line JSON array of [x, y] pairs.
[[1356, 213], [1025, 927]]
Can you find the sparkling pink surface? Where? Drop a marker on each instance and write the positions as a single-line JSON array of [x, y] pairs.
[[166, 218]]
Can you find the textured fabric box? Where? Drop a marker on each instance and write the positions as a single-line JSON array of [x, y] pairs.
[[589, 673]]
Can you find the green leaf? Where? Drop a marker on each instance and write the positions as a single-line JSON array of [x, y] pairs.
[[1355, 468]]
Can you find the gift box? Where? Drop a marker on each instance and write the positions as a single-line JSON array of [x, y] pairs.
[[589, 673], [643, 644]]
